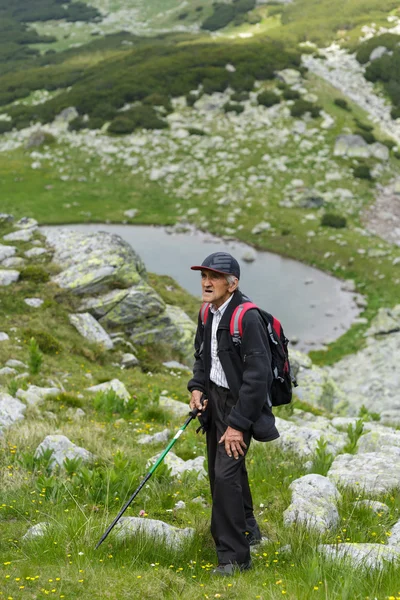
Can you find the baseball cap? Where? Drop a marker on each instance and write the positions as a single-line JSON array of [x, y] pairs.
[[220, 262]]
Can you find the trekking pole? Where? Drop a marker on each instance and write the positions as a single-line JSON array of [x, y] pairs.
[[192, 415]]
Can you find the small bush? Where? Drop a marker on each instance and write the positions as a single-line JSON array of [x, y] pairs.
[[389, 144], [158, 100], [368, 136], [341, 103], [182, 16], [121, 125], [332, 220], [362, 172], [35, 357], [69, 400], [363, 126], [223, 14], [34, 273], [191, 99], [237, 108], [300, 107], [395, 112], [95, 123], [195, 131], [268, 98], [290, 94], [46, 342], [5, 126], [239, 96], [77, 124]]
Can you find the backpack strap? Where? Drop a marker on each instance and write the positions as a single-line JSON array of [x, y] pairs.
[[236, 325], [204, 310]]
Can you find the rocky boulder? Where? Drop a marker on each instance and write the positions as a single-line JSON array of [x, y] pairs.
[[91, 329], [372, 472], [303, 440], [178, 466], [62, 448], [93, 263], [159, 531], [11, 410], [364, 556]]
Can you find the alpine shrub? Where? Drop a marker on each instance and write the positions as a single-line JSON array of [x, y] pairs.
[[368, 136], [268, 98], [341, 103], [46, 342], [5, 126], [300, 107], [332, 220], [237, 108], [34, 273], [362, 172], [35, 357], [290, 94]]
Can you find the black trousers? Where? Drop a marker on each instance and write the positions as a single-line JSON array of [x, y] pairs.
[[232, 516]]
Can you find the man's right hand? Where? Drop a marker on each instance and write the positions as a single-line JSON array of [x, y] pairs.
[[196, 401]]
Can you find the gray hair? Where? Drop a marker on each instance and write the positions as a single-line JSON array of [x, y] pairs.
[[231, 279]]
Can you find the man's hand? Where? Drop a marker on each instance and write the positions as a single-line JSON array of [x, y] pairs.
[[195, 401], [234, 442]]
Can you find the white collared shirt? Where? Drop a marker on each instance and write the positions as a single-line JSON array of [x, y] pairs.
[[217, 374]]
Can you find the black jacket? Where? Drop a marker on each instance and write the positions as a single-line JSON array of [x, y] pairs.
[[247, 368]]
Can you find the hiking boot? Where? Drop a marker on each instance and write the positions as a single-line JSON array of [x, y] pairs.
[[229, 569]]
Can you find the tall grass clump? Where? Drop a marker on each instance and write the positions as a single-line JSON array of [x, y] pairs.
[[35, 357]]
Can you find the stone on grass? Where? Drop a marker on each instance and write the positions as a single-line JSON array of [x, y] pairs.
[[289, 76], [8, 277], [5, 218], [6, 371], [156, 438], [374, 505], [249, 256], [23, 235], [15, 262], [386, 321], [16, 363], [38, 530], [4, 336], [34, 302], [316, 387], [35, 252], [93, 263], [303, 440], [179, 409], [11, 410], [131, 213], [178, 466], [261, 227], [35, 394], [115, 385], [62, 448], [160, 532], [378, 52], [172, 327], [373, 472], [125, 307], [374, 441], [129, 360], [26, 223], [394, 538], [363, 556], [314, 500], [6, 252], [352, 145], [91, 330], [75, 414], [174, 364]]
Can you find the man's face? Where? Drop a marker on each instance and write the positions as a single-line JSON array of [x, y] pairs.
[[215, 288]]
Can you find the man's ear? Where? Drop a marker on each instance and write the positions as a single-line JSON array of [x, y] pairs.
[[233, 286]]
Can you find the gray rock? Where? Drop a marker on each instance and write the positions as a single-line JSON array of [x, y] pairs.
[[304, 440], [34, 394], [179, 409], [23, 235], [6, 252], [76, 414], [115, 385], [314, 500], [11, 410], [16, 363], [62, 448], [173, 327], [5, 218], [390, 417], [67, 115], [316, 387], [131, 213], [374, 505], [5, 371], [124, 307], [174, 364], [364, 556], [171, 536], [35, 252], [386, 321], [261, 227], [156, 438], [129, 360], [394, 539], [38, 530], [352, 146], [4, 336], [33, 302], [91, 330], [93, 263], [27, 223], [379, 151], [178, 466], [289, 76], [377, 440], [8, 277], [14, 262], [372, 472], [378, 52], [249, 256]]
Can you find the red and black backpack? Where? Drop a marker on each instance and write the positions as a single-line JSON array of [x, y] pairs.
[[283, 380]]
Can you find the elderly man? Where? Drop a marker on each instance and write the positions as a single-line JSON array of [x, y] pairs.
[[235, 380]]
